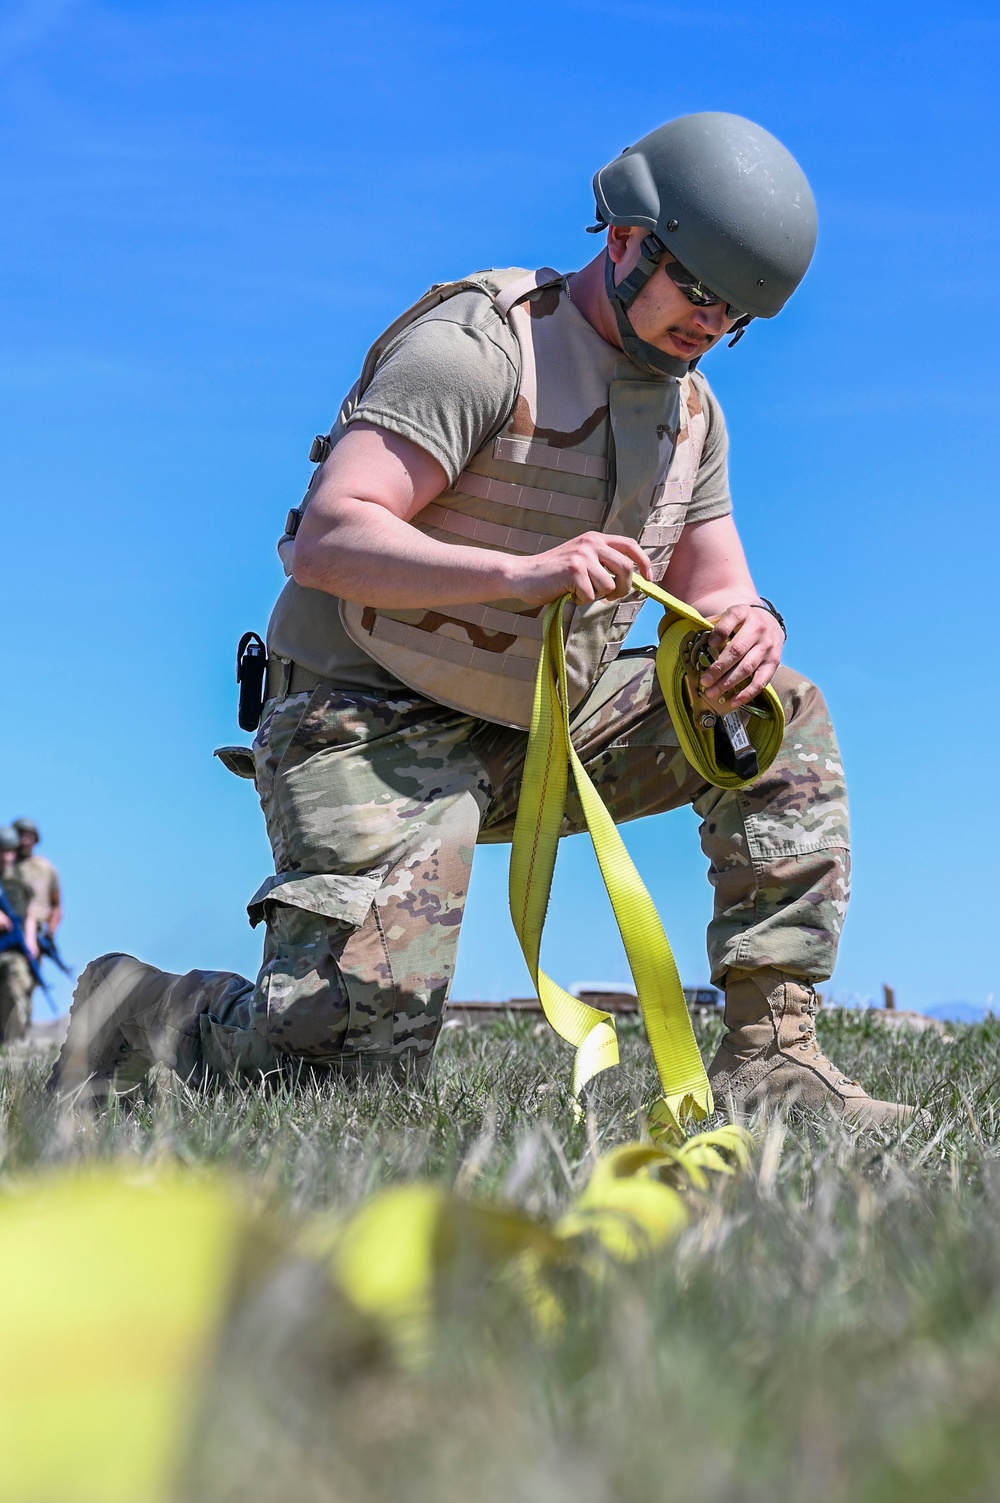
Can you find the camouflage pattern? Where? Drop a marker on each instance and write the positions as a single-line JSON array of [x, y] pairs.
[[779, 851], [16, 986], [374, 808], [16, 981]]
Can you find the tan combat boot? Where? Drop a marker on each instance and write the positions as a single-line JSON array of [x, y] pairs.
[[771, 1055], [127, 1016]]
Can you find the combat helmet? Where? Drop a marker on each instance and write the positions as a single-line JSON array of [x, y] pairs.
[[8, 838], [727, 200]]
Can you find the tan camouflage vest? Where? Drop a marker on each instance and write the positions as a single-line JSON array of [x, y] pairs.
[[592, 443]]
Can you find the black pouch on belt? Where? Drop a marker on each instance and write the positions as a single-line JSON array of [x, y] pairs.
[[251, 666]]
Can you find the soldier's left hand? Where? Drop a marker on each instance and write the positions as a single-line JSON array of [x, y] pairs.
[[747, 642]]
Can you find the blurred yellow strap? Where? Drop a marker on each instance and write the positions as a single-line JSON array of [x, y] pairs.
[[115, 1288], [626, 1209], [113, 1295], [686, 1092], [409, 1248], [632, 1203], [401, 1253]]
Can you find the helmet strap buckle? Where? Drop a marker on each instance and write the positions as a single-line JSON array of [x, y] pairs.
[[739, 330], [650, 251]]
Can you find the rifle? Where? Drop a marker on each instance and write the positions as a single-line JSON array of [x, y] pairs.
[[14, 938], [47, 947]]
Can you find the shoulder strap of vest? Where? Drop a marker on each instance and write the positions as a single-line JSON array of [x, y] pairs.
[[506, 286], [493, 283], [530, 282]]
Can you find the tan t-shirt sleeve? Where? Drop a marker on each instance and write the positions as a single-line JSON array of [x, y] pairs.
[[447, 383], [711, 496]]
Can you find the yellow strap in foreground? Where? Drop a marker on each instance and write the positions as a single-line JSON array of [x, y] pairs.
[[686, 1091]]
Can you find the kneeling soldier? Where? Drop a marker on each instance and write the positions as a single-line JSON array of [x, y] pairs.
[[515, 436]]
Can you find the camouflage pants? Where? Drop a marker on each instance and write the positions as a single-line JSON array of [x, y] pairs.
[[16, 986], [374, 809]]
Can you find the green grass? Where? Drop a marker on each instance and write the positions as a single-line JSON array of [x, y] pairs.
[[828, 1329]]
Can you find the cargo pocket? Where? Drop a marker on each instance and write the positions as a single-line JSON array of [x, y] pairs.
[[333, 896], [237, 759], [325, 981]]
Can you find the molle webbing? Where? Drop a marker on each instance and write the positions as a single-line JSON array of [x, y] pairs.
[[436, 518], [583, 417], [530, 497], [568, 461]]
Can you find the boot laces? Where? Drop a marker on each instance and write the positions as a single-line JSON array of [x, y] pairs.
[[809, 1043]]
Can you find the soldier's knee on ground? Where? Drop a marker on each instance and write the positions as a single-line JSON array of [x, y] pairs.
[[301, 1006], [330, 996]]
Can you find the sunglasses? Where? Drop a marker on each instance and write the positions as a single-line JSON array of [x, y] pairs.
[[695, 291]]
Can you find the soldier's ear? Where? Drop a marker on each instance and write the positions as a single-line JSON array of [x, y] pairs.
[[619, 236]]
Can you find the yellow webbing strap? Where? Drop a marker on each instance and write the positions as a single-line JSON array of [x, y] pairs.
[[122, 1275], [765, 729], [396, 1256], [686, 1091]]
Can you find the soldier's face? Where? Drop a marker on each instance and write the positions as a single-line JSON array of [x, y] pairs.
[[28, 843], [661, 314]]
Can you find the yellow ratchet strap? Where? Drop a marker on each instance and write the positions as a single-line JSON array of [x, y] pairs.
[[765, 728], [686, 1091]]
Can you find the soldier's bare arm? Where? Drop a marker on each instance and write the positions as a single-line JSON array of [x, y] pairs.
[[30, 927], [356, 540], [56, 908], [709, 570]]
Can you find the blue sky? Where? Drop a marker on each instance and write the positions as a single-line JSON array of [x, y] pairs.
[[211, 209]]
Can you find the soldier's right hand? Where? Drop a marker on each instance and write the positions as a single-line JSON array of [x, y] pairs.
[[593, 566]]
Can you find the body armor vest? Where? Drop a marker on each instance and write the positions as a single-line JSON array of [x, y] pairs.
[[592, 443]]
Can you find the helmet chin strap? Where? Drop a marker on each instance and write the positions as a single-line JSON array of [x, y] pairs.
[[623, 295], [621, 298]]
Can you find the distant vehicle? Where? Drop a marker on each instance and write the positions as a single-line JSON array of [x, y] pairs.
[[704, 996]]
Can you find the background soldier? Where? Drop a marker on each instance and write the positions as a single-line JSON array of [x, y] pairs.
[[18, 942], [517, 436], [38, 873]]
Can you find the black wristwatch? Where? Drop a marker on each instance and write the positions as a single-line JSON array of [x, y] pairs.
[[763, 604]]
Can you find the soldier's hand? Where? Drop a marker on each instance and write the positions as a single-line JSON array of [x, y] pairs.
[[5, 923], [593, 566], [747, 643]]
